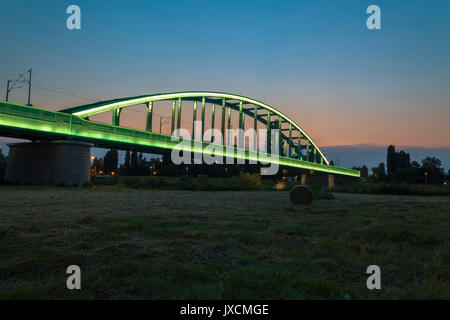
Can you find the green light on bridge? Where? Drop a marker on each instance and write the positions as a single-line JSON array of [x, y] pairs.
[[23, 121]]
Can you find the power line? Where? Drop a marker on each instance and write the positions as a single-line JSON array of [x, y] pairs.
[[45, 86], [64, 93], [59, 90]]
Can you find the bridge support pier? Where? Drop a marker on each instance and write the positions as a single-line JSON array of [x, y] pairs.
[[51, 163], [318, 179]]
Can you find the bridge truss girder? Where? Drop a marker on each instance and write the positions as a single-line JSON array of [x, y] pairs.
[[288, 144], [37, 124]]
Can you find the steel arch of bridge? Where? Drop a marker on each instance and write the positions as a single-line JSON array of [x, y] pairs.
[[37, 124], [215, 98]]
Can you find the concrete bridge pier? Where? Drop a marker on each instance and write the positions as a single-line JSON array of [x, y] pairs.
[[318, 179], [50, 163]]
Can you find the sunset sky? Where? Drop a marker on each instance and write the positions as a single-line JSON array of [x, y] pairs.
[[315, 61]]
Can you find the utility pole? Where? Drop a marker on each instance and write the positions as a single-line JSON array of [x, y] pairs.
[[29, 87], [7, 89], [11, 88]]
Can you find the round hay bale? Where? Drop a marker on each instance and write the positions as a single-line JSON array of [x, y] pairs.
[[301, 194]]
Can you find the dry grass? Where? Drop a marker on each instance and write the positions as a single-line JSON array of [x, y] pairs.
[[158, 244]]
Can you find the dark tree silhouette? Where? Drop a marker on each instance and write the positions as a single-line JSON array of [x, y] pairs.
[[127, 164], [402, 160], [390, 160], [432, 170], [111, 161], [364, 171], [379, 173], [134, 163], [381, 169], [397, 160]]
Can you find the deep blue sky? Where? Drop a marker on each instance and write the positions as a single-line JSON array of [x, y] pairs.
[[314, 60]]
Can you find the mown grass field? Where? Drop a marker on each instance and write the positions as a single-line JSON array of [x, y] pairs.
[[168, 244]]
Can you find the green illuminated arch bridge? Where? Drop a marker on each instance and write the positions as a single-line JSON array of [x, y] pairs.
[[297, 149]]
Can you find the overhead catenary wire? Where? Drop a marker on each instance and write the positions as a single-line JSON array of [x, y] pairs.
[[45, 86], [55, 89]]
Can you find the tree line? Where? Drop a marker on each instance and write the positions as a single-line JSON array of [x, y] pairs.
[[135, 164], [400, 169]]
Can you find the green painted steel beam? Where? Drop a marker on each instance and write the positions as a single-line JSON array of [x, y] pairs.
[[194, 118], [116, 116], [299, 146], [213, 111], [280, 139], [241, 116], [149, 116], [223, 120], [203, 117], [229, 126], [290, 139], [26, 122], [179, 114], [241, 141], [268, 133], [307, 150], [172, 125]]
